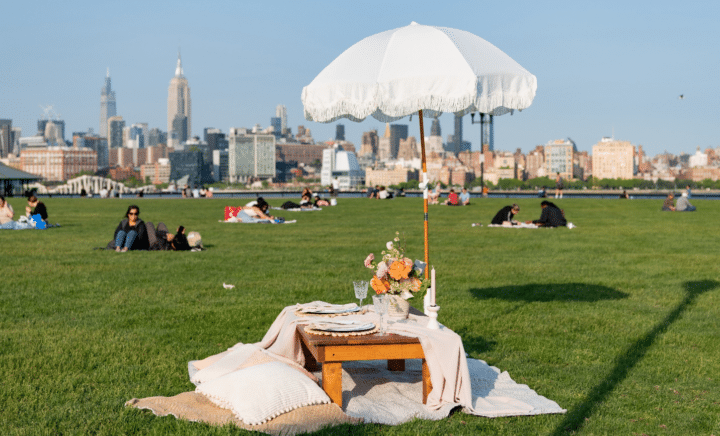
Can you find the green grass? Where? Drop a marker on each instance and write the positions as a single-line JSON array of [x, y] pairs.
[[615, 320]]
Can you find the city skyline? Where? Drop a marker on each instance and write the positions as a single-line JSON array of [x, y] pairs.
[[603, 70]]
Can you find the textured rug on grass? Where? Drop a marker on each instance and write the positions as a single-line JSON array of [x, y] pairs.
[[195, 407], [372, 392]]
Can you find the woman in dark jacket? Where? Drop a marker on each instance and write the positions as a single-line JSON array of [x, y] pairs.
[[507, 213], [131, 233]]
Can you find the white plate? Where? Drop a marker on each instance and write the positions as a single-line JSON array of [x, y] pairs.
[[344, 328], [331, 310]]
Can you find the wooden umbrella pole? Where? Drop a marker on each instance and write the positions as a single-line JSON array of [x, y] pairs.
[[425, 193]]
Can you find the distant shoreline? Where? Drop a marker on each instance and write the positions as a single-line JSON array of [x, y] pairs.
[[642, 194]]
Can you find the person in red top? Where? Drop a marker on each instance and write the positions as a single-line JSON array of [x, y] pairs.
[[452, 198]]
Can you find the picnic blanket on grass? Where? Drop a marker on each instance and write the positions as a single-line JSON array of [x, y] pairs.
[[235, 220], [371, 393], [528, 226], [299, 209]]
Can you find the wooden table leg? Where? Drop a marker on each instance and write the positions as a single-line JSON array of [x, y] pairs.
[[426, 383], [332, 381], [311, 364], [396, 364]]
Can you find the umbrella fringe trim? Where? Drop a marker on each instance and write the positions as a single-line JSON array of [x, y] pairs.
[[499, 105]]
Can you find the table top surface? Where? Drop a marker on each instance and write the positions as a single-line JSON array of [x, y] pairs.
[[373, 339]]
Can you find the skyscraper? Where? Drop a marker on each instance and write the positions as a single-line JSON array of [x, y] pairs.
[[281, 112], [397, 132], [179, 118], [339, 132], [6, 145], [107, 105], [276, 123], [250, 155], [115, 131], [60, 125], [435, 128]]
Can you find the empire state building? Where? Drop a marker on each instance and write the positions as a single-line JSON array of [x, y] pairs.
[[107, 106], [179, 113]]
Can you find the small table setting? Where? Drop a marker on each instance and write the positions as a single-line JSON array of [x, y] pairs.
[[359, 335], [331, 334]]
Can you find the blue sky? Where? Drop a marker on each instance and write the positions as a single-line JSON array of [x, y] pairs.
[[603, 68]]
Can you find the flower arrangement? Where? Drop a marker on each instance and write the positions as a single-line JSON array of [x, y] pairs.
[[396, 274]]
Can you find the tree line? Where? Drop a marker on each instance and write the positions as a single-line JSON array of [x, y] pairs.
[[591, 183]]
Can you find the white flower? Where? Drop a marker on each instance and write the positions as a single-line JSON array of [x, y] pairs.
[[382, 270], [389, 245]]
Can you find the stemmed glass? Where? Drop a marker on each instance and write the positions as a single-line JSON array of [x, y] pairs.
[[361, 289], [381, 306]]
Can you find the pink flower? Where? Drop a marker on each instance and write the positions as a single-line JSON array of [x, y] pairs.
[[368, 260]]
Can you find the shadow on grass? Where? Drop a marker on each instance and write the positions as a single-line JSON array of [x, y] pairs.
[[628, 358], [550, 292], [475, 343]]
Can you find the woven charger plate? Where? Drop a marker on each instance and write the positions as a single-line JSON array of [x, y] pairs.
[[312, 331]]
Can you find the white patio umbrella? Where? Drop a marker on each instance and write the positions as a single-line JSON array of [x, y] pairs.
[[418, 69]]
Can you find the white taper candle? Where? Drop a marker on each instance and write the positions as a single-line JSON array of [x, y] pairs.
[[432, 287]]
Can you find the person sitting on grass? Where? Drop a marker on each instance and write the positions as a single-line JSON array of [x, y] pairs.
[[36, 207], [6, 219], [373, 191], [131, 233], [465, 197], [506, 215], [6, 215], [434, 195], [683, 205], [669, 203], [551, 216], [452, 199]]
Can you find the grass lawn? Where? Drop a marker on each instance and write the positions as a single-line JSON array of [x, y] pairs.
[[615, 320]]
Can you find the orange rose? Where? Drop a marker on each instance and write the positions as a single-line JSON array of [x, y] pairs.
[[416, 284], [400, 269], [379, 286]]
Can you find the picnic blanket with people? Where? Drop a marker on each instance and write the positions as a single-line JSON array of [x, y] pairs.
[[36, 216]]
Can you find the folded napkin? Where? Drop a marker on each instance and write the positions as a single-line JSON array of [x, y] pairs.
[[347, 325], [313, 307]]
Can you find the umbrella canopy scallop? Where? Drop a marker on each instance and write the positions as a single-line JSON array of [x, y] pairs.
[[398, 72]]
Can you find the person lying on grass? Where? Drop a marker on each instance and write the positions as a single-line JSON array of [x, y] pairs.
[[255, 213]]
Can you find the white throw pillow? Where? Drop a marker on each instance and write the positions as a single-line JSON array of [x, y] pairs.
[[260, 393], [230, 362]]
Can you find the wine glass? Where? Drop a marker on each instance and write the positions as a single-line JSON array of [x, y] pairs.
[[381, 307], [361, 290]]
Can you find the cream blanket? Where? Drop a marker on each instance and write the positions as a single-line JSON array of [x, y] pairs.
[[371, 393], [454, 385]]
